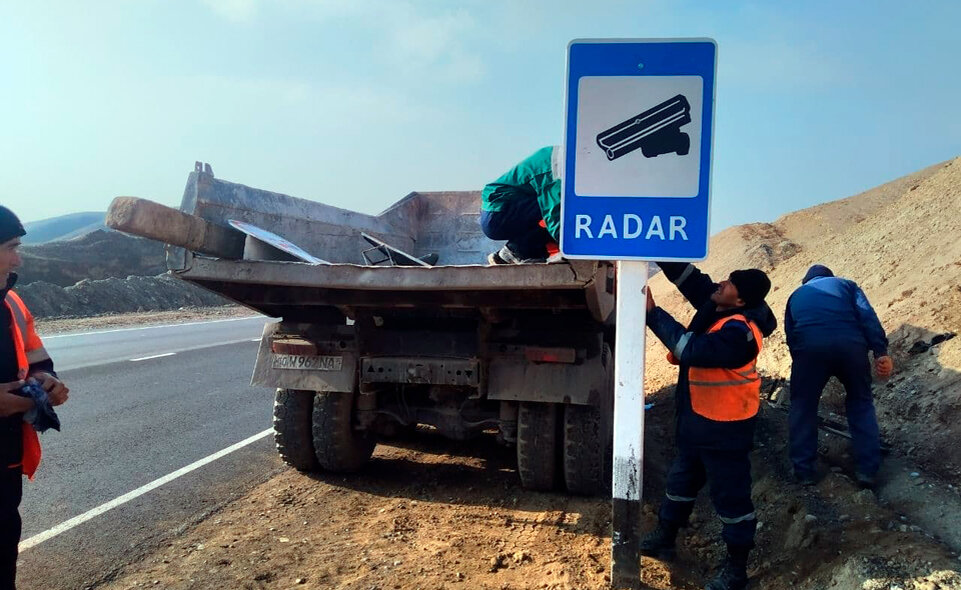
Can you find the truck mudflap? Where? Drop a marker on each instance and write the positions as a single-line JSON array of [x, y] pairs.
[[291, 362], [513, 379]]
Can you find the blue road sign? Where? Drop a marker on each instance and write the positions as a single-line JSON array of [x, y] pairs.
[[637, 149]]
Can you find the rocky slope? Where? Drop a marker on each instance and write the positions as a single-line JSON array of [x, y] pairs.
[[96, 255], [108, 296], [102, 272]]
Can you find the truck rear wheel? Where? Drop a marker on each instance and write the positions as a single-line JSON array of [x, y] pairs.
[[339, 447], [589, 439], [537, 445], [292, 431]]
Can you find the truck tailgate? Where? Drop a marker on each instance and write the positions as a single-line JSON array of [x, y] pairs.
[[276, 286]]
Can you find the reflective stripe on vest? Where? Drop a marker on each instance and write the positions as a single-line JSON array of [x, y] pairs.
[[726, 395], [27, 343], [32, 344], [17, 329]]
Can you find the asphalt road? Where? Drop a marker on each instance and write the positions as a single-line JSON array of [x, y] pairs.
[[88, 349], [127, 424]]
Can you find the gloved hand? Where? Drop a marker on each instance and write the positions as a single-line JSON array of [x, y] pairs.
[[31, 416], [42, 416], [883, 366]]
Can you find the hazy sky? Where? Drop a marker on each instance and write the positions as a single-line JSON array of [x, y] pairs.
[[356, 103]]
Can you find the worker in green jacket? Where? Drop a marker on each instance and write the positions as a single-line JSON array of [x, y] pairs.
[[513, 206]]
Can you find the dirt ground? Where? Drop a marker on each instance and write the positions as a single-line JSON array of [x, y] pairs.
[[434, 514]]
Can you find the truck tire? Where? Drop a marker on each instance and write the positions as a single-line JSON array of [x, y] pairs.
[[589, 439], [338, 446], [537, 445], [292, 418]]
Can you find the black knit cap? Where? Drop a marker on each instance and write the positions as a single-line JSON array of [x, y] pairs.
[[752, 285], [10, 226]]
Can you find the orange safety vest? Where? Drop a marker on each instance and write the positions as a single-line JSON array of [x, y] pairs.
[[30, 350], [727, 395]]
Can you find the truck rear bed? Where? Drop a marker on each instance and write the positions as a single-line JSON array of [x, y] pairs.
[[443, 223]]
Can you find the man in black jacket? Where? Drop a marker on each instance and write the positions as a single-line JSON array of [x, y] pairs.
[[21, 356], [717, 398]]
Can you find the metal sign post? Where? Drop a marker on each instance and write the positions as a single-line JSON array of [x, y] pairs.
[[628, 425], [636, 187]]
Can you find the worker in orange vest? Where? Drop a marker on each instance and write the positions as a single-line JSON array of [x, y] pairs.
[[22, 357], [717, 399]]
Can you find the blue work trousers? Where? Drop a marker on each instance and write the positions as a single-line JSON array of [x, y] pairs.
[[729, 474], [518, 223], [11, 491], [810, 372]]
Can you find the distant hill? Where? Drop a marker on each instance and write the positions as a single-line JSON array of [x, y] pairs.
[[63, 227]]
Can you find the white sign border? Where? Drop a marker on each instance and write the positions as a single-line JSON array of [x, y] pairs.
[[710, 185]]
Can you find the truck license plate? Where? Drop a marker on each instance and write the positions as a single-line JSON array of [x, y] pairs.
[[308, 362]]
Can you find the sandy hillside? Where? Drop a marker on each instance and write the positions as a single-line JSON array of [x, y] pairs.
[[900, 243], [430, 513]]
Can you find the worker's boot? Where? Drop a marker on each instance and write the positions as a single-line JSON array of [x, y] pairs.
[[507, 256], [805, 478], [866, 481], [660, 543], [732, 575]]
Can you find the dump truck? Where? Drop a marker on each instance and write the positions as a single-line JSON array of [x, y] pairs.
[[394, 323]]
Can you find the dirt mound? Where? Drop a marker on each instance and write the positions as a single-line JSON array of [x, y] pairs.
[[101, 272], [764, 245], [91, 298], [96, 255]]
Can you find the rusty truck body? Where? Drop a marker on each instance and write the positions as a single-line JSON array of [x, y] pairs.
[[371, 342]]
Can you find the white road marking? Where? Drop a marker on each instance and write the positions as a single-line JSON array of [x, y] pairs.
[[78, 520], [156, 356], [265, 318]]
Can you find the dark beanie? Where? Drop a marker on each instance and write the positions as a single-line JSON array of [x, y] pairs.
[[752, 285], [817, 270], [10, 226]]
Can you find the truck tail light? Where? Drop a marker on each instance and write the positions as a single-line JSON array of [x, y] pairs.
[[297, 346], [539, 354]]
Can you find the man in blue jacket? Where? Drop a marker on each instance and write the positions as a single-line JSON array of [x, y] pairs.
[[717, 399], [830, 327]]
